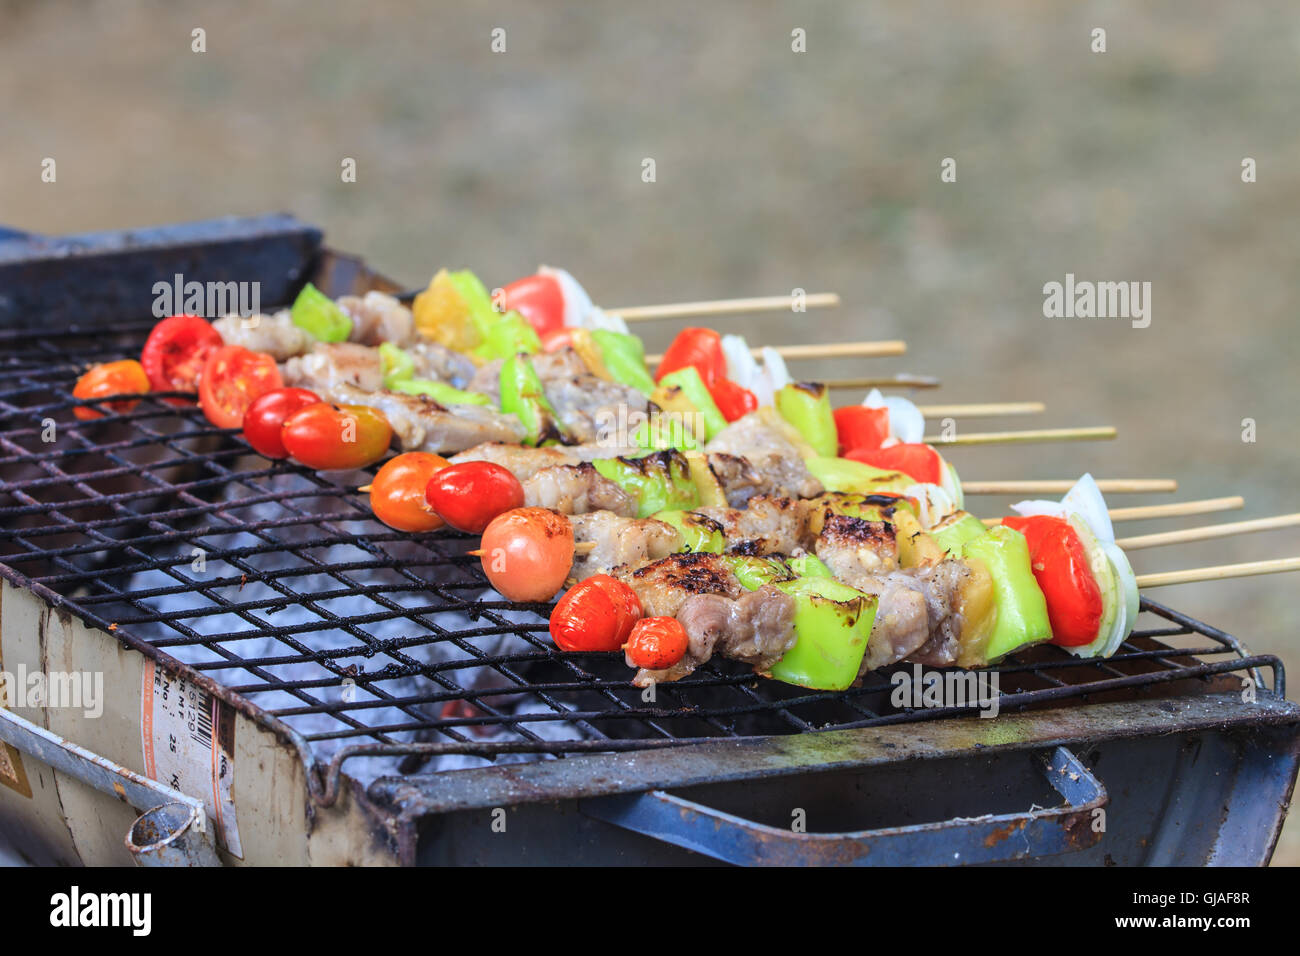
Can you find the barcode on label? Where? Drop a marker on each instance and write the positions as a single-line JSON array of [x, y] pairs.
[[202, 730]]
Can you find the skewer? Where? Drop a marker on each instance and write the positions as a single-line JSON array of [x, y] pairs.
[[1208, 532], [766, 303], [880, 349], [1050, 486], [1022, 437], [1176, 510], [980, 410], [901, 380], [1218, 572]]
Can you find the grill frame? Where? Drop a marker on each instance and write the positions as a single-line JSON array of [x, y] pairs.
[[1174, 666]]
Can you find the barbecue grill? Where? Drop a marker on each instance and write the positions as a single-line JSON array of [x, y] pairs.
[[342, 693]]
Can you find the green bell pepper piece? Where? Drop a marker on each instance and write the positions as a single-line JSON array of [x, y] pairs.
[[1021, 607], [845, 474], [476, 299], [698, 532], [508, 335], [624, 358], [807, 406], [832, 625], [696, 394], [522, 395], [810, 566], [319, 316], [660, 481], [753, 572], [396, 363], [440, 392], [664, 433], [956, 529], [866, 507]]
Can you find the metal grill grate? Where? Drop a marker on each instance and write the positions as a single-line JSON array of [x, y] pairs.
[[276, 583]]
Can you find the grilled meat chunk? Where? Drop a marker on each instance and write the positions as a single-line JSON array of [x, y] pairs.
[[327, 366], [622, 543], [421, 424], [524, 462], [769, 525], [378, 317], [274, 334], [435, 361], [577, 490], [942, 585], [856, 549], [776, 462], [756, 628], [664, 585]]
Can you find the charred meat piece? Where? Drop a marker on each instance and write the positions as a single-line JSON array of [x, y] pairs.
[[421, 424], [577, 490], [519, 460], [942, 586], [435, 361], [328, 366], [621, 543], [756, 628], [664, 585], [274, 334], [770, 525], [378, 317], [774, 458], [856, 549]]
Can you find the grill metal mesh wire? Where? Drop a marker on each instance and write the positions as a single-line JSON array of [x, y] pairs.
[[276, 582]]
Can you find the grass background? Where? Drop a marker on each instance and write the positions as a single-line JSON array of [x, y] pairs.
[[774, 170]]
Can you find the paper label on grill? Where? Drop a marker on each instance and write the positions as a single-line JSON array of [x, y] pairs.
[[189, 745]]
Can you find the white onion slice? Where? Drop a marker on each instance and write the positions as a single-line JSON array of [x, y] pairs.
[[598, 318], [742, 367], [906, 423], [952, 484], [936, 504], [577, 304], [1084, 499], [1128, 588], [774, 366]]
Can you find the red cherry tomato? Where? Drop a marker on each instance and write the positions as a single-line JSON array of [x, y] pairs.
[[336, 437], [539, 299], [860, 427], [265, 417], [397, 495], [556, 340], [469, 495], [699, 347], [1061, 568], [734, 401], [596, 614], [919, 462], [176, 351], [126, 377], [527, 553], [656, 643], [233, 378]]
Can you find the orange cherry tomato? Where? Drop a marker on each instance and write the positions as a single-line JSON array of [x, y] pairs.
[[527, 553], [336, 437], [397, 495], [596, 614], [656, 643], [470, 494], [233, 378], [126, 377], [176, 351]]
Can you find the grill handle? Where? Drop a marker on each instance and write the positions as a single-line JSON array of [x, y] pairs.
[[963, 840]]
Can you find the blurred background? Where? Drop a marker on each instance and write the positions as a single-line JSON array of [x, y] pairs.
[[774, 170]]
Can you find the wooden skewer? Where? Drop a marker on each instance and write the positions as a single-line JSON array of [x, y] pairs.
[[1218, 572], [1022, 437], [1208, 532], [901, 380], [766, 303], [980, 410], [1049, 486], [827, 350], [1176, 510]]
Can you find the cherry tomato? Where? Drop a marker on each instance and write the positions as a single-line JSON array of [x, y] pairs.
[[539, 299], [734, 401], [1061, 568], [336, 437], [469, 495], [656, 643], [233, 377], [126, 377], [176, 351], [861, 428], [527, 553], [265, 417], [556, 340], [699, 347], [919, 462], [397, 495], [596, 614]]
